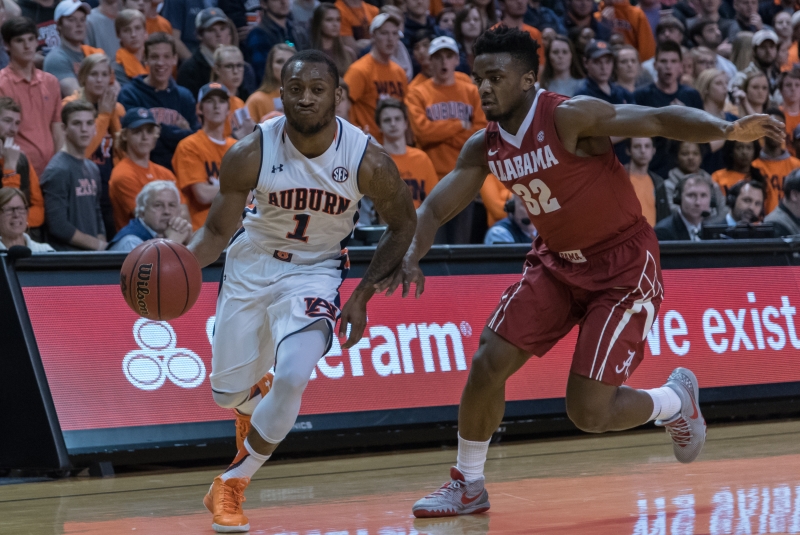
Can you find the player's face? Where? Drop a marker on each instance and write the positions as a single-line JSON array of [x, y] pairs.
[[214, 109], [502, 84], [393, 124], [309, 97], [80, 129], [162, 207], [749, 204], [9, 124]]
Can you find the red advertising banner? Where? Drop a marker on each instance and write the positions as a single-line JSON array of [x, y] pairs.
[[108, 368]]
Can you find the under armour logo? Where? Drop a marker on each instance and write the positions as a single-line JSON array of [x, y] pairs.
[[627, 364], [277, 168]]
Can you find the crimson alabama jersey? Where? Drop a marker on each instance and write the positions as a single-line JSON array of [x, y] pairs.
[[574, 202]]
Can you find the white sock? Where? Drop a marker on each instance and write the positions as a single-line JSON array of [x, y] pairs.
[[245, 466], [666, 403], [471, 458]]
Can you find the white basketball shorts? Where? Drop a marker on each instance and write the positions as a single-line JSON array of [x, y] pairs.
[[263, 300]]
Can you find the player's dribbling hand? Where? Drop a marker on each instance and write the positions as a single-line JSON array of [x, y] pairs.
[[354, 314], [755, 127], [406, 273]]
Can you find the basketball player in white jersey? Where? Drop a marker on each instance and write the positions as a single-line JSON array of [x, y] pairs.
[[279, 297]]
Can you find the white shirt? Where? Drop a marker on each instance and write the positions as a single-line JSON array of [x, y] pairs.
[[35, 247], [694, 230]]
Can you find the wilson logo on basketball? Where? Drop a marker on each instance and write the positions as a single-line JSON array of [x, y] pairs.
[[340, 174], [143, 287]]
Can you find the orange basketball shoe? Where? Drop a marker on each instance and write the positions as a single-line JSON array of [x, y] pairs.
[[224, 500], [243, 420]]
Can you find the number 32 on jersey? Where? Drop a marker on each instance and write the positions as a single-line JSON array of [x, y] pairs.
[[536, 197]]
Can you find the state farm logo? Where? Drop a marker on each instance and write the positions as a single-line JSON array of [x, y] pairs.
[[158, 358]]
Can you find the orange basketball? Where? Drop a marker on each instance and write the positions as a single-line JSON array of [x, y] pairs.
[[160, 279]]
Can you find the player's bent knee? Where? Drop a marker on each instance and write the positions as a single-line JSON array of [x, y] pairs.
[[228, 400], [294, 380], [589, 416]]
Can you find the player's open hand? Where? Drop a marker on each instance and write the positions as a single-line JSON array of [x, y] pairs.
[[755, 127], [406, 273], [354, 314]]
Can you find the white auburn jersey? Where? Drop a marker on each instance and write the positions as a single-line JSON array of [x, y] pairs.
[[306, 207]]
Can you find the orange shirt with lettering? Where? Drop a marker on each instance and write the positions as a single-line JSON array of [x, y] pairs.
[[356, 20], [645, 192], [127, 180], [11, 179], [370, 81], [416, 169], [436, 113], [775, 172], [197, 161]]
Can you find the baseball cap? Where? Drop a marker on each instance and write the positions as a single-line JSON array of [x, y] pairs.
[[136, 117], [381, 19], [209, 16], [596, 49], [764, 35], [68, 7], [214, 88], [442, 43]]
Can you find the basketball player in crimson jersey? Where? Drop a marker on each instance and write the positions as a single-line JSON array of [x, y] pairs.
[[595, 262], [279, 296]]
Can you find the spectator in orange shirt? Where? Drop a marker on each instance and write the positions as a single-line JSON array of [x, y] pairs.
[[64, 60], [198, 157], [631, 22], [513, 16], [17, 172], [445, 112], [94, 77], [375, 76], [134, 143], [738, 157], [228, 70], [649, 187], [357, 16], [130, 25], [415, 167], [775, 163], [155, 22], [267, 98], [789, 86]]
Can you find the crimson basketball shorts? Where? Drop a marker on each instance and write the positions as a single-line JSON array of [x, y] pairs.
[[613, 294]]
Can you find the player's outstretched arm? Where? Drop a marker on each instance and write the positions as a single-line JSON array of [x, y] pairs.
[[584, 117], [449, 197], [379, 179], [237, 176]]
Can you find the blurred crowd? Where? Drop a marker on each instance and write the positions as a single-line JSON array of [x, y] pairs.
[[115, 116]]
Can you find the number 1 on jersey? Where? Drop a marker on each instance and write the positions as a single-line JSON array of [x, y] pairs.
[[300, 228]]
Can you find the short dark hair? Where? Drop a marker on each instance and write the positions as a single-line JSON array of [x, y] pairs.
[[74, 107], [387, 103], [158, 38], [669, 22], [699, 27], [312, 56], [793, 73], [736, 190], [791, 182], [519, 44], [8, 103], [669, 46], [17, 26], [775, 111]]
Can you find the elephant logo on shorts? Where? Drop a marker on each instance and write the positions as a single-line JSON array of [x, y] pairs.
[[158, 358]]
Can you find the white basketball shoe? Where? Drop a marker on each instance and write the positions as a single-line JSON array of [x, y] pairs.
[[456, 497]]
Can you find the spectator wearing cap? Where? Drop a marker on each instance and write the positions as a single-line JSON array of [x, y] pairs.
[[580, 15], [198, 157], [357, 17], [100, 29], [513, 17], [195, 72], [93, 77], [789, 86], [667, 91], [158, 215], [38, 94], [417, 17], [64, 60], [276, 26], [182, 14], [668, 29], [172, 105], [419, 51], [444, 112], [705, 32], [765, 59], [746, 18], [128, 61], [630, 22], [401, 54], [775, 163], [598, 62], [786, 217], [71, 186], [136, 141], [539, 16], [375, 76]]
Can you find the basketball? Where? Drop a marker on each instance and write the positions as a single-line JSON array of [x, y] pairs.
[[160, 279]]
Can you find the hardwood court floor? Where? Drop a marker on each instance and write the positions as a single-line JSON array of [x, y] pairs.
[[746, 481]]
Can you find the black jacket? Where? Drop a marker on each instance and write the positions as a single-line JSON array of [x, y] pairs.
[[663, 209], [672, 228], [194, 73]]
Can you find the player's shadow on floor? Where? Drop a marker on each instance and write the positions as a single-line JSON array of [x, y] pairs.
[[455, 525]]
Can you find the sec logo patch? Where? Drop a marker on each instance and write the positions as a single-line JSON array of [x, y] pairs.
[[339, 174]]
